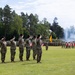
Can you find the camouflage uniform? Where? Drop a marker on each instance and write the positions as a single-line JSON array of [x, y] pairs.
[[34, 47], [46, 44], [21, 48], [3, 50], [63, 44], [28, 48], [12, 49], [39, 49]]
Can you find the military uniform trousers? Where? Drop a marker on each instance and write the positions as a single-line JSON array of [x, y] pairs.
[[34, 52], [28, 53], [46, 47], [21, 52], [3, 54], [39, 54], [13, 52]]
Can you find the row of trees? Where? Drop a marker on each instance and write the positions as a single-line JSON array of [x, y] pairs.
[[12, 24]]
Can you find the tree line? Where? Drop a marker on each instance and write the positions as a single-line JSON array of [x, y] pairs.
[[12, 24]]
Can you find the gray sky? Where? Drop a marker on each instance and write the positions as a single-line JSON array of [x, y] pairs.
[[64, 10]]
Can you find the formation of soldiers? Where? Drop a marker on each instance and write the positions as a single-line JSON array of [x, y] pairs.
[[68, 44], [35, 45]]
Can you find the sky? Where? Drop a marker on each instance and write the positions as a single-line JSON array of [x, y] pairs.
[[64, 10]]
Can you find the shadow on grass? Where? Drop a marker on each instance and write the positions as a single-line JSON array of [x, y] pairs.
[[24, 62]]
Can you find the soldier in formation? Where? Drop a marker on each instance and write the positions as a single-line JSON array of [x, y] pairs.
[[28, 47], [46, 44], [63, 44], [34, 47], [3, 49], [12, 49], [39, 48], [21, 47], [68, 44]]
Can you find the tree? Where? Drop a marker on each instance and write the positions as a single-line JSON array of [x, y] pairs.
[[1, 14], [1, 24], [58, 30], [46, 25], [12, 24], [24, 19], [17, 25], [7, 18], [43, 28], [33, 20]]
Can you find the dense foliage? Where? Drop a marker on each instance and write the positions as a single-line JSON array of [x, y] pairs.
[[12, 24]]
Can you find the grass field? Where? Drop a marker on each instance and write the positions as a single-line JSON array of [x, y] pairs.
[[55, 61]]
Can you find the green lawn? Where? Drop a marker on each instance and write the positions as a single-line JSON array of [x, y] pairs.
[[55, 61]]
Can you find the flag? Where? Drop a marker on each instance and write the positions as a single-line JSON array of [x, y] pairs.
[[50, 38]]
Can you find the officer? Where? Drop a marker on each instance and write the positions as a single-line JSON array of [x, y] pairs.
[[21, 47], [3, 49], [34, 47], [28, 47], [12, 49], [39, 48]]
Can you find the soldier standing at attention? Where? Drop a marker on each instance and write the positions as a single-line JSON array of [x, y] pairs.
[[12, 49], [3, 49], [34, 46], [39, 48], [21, 47], [28, 47]]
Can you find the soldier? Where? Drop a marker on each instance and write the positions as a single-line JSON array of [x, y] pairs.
[[12, 49], [34, 46], [63, 44], [39, 48], [21, 47], [66, 44], [73, 44], [3, 49], [69, 44], [46, 44], [28, 47]]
